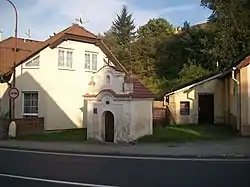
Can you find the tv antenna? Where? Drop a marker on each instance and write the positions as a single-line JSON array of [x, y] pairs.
[[80, 20], [27, 33]]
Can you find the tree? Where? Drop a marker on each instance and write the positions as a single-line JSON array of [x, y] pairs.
[[232, 29], [144, 51], [155, 28], [186, 25], [123, 27], [191, 71]]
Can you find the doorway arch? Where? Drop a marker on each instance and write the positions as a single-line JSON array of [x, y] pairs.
[[109, 126]]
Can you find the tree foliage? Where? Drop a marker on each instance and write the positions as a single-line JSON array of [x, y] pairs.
[[123, 27], [231, 27], [163, 59]]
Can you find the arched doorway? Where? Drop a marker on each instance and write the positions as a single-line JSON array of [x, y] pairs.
[[109, 126]]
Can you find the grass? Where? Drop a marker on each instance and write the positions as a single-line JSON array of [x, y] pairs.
[[181, 133], [66, 135], [187, 133]]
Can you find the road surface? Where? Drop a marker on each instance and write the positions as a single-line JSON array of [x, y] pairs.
[[40, 169]]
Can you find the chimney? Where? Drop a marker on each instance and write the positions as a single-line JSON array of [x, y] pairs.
[[1, 35]]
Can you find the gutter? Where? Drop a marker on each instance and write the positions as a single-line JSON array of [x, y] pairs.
[[238, 103]]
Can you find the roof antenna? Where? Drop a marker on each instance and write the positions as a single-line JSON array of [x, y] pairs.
[[80, 20], [28, 35]]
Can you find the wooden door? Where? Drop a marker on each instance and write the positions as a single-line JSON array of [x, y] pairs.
[[109, 127], [206, 109]]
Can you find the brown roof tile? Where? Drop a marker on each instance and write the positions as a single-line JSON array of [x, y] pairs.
[[140, 91], [75, 32], [24, 48], [244, 63]]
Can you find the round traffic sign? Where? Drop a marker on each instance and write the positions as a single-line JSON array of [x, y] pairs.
[[13, 93]]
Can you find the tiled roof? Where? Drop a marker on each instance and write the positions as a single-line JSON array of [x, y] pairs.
[[139, 90], [74, 32], [244, 63], [29, 48], [24, 48]]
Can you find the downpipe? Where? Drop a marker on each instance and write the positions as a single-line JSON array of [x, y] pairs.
[[238, 103]]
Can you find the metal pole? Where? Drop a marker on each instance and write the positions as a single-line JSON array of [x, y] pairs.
[[14, 61]]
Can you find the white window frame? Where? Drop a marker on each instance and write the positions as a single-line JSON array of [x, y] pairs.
[[65, 58], [91, 61], [30, 114], [32, 67]]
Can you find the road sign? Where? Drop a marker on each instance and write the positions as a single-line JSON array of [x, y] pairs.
[[13, 93]]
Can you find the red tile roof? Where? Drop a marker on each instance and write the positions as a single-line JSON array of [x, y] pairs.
[[244, 63], [24, 48], [75, 32], [139, 90]]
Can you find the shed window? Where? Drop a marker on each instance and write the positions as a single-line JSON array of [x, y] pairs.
[[184, 108]]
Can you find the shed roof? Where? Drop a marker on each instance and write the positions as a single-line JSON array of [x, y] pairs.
[[240, 63]]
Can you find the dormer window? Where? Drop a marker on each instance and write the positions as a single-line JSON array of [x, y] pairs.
[[108, 79], [34, 63]]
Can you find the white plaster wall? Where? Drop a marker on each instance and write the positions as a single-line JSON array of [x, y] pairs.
[[4, 99], [116, 80], [121, 110], [60, 91], [212, 87], [142, 118]]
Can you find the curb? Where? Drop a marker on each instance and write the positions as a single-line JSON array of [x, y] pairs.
[[117, 154]]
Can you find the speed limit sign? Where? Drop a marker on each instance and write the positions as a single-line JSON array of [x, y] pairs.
[[13, 93]]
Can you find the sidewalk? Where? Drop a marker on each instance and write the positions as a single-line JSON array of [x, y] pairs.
[[237, 148]]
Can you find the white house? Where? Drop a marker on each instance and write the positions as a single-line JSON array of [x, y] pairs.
[[72, 80]]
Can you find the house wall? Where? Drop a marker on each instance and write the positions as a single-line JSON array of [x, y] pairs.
[[245, 128], [211, 87], [142, 118], [231, 100], [4, 98], [60, 91], [245, 100], [120, 108]]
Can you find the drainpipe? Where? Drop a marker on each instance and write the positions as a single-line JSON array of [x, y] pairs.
[[238, 106]]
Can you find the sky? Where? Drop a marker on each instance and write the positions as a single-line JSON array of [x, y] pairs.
[[44, 17]]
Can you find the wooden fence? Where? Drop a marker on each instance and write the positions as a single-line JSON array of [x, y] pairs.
[[159, 112]]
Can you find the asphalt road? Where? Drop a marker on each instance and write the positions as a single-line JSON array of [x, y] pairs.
[[120, 172]]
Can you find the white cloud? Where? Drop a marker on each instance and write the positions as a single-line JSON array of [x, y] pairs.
[[47, 16], [179, 8], [43, 17]]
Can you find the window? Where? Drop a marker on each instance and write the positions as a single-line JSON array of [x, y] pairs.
[[184, 108], [34, 63], [91, 61], [65, 58], [30, 103], [69, 59], [87, 61], [108, 79], [107, 102], [95, 111]]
